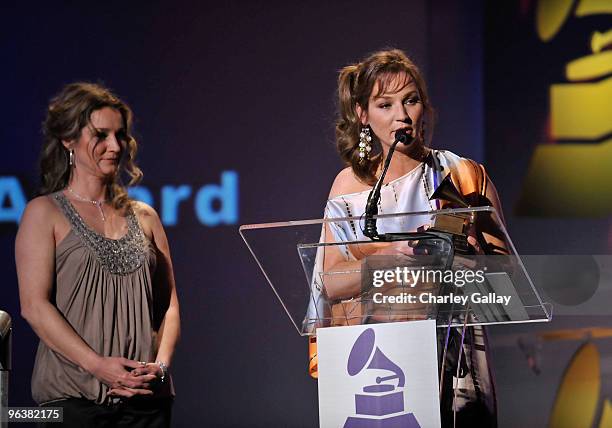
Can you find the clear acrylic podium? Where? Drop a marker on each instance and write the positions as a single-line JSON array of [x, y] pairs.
[[291, 256], [325, 273]]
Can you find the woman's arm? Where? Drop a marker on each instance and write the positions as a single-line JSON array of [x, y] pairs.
[[491, 195], [35, 260], [495, 241], [170, 329], [166, 318], [346, 286], [166, 305]]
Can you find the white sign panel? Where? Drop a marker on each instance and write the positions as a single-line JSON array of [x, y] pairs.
[[378, 376]]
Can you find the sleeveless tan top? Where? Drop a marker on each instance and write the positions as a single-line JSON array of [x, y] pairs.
[[103, 287]]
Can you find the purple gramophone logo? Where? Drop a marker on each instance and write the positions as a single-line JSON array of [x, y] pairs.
[[379, 405]]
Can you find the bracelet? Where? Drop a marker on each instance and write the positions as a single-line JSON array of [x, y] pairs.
[[164, 369]]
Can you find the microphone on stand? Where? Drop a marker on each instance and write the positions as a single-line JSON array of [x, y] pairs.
[[401, 136]]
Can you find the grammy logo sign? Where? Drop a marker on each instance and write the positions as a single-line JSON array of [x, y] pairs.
[[380, 375], [380, 402]]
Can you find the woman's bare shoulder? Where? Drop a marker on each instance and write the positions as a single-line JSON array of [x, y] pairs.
[[40, 215], [151, 225], [345, 183], [41, 207], [147, 216], [143, 210]]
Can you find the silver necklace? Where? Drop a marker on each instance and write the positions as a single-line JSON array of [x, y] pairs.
[[98, 204]]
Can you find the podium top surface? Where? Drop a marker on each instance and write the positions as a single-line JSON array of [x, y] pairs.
[[326, 273]]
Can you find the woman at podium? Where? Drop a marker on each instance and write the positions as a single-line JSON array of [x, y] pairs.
[[379, 97], [95, 273]]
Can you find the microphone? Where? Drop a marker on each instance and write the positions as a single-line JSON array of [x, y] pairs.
[[401, 136]]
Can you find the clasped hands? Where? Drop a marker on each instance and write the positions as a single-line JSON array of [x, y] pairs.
[[127, 378]]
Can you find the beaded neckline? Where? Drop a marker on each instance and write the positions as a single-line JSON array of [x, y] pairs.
[[78, 217], [119, 256]]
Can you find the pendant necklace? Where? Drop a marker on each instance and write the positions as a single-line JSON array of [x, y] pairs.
[[98, 204]]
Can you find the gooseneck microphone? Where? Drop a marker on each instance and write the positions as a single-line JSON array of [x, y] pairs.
[[401, 136]]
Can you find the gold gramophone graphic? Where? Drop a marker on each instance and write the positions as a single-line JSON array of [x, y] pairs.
[[574, 178]]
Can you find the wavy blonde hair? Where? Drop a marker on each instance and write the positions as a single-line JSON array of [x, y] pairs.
[[68, 113], [355, 85]]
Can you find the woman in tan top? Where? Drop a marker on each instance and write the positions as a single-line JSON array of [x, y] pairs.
[[95, 273]]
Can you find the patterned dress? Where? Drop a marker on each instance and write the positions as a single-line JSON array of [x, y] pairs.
[[475, 403]]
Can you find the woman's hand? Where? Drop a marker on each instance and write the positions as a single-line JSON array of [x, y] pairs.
[[406, 248], [393, 248], [473, 241], [113, 371], [146, 369]]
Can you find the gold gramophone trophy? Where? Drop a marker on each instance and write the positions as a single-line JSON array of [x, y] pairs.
[[456, 224]]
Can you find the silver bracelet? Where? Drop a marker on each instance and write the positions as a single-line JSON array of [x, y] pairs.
[[164, 369]]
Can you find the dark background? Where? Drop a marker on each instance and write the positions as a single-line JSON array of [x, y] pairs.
[[249, 86]]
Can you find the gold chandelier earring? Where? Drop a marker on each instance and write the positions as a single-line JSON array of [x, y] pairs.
[[365, 138]]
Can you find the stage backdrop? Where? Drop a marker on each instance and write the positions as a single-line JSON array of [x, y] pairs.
[[234, 105], [548, 92]]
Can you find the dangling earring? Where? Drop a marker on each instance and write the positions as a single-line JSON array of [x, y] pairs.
[[71, 157], [364, 144]]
